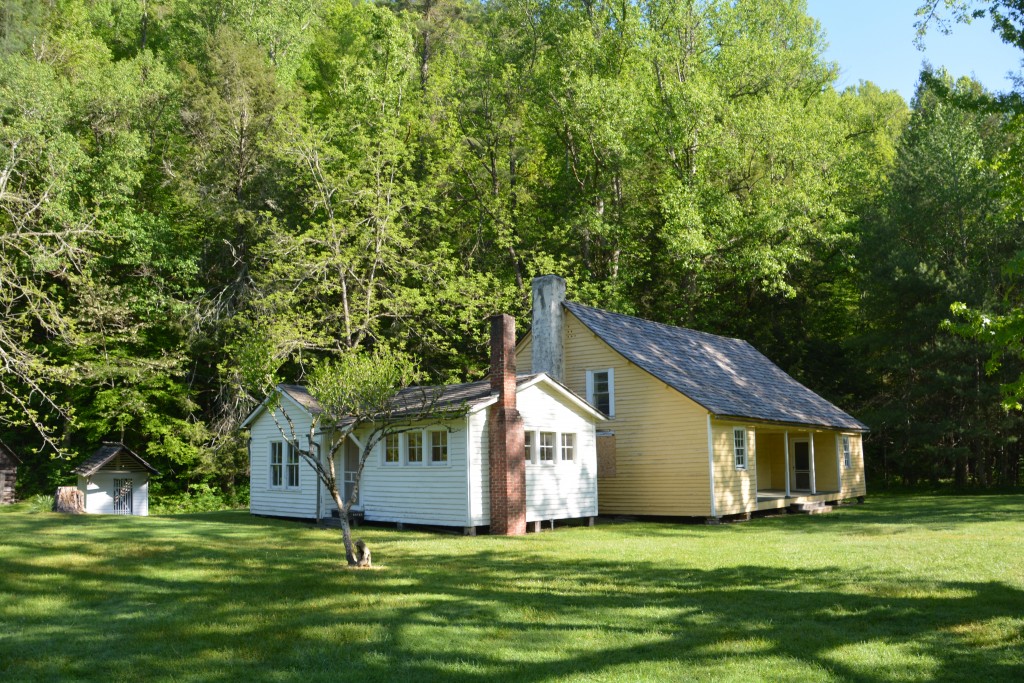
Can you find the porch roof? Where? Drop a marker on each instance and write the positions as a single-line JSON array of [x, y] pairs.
[[728, 377]]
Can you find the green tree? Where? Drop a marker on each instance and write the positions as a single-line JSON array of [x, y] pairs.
[[943, 238], [358, 399]]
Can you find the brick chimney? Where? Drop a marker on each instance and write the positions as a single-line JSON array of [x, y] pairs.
[[505, 437], [548, 295]]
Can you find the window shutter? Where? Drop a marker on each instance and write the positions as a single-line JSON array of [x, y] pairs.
[[611, 392]]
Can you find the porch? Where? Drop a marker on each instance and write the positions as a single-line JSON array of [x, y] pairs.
[[796, 467], [772, 499]]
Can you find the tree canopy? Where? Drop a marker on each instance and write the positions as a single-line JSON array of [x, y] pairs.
[[190, 187]]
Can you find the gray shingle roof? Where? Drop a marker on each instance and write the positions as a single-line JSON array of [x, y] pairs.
[[412, 400], [299, 394], [728, 377], [107, 452]]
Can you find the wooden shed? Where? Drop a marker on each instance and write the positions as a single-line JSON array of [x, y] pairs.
[[115, 481], [8, 474]]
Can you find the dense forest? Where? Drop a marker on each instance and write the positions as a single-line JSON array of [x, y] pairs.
[[198, 192]]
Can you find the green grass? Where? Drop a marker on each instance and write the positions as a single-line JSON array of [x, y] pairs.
[[901, 589]]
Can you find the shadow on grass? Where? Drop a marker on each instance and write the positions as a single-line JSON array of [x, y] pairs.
[[204, 599], [926, 511]]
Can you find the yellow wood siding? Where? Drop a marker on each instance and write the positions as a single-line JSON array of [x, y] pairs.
[[735, 489], [661, 435], [853, 477], [825, 477]]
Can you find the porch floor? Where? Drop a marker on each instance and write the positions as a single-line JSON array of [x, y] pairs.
[[774, 499]]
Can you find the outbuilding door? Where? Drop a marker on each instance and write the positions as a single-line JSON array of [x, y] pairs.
[[122, 496]]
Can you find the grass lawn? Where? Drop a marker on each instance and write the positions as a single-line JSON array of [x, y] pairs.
[[900, 589]]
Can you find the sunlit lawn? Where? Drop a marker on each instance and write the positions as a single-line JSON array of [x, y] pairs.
[[900, 589]]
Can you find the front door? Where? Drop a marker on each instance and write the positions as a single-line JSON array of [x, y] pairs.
[[122, 496], [802, 465]]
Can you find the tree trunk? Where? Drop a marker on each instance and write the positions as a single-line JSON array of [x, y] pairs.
[[346, 537], [69, 499], [346, 530]]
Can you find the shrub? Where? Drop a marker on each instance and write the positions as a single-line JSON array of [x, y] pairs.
[[39, 503], [198, 498]]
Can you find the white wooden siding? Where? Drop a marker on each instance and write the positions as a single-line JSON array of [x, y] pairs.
[[559, 490], [454, 494], [298, 502], [479, 483], [421, 493], [99, 490]]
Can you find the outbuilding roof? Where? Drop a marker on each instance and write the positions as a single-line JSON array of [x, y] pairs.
[[728, 377], [107, 452]]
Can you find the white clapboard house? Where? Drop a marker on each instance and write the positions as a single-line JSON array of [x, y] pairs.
[[522, 452]]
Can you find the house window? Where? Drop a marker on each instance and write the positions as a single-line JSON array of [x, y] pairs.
[[568, 447], [276, 464], [547, 446], [847, 456], [292, 466], [528, 446], [438, 448], [601, 390], [392, 454], [414, 447], [739, 444]]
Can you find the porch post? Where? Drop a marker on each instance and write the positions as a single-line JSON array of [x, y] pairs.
[[786, 449], [814, 484]]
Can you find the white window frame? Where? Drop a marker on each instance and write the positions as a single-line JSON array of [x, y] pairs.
[[740, 452], [407, 449], [564, 447], [541, 447], [398, 451], [430, 443], [847, 452], [611, 388], [530, 446], [291, 466], [276, 449]]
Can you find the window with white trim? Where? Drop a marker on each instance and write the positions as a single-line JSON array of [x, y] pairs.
[[528, 446], [847, 455], [739, 445], [284, 465], [438, 448], [292, 466], [276, 464], [601, 390], [414, 448], [568, 447], [547, 446], [392, 450]]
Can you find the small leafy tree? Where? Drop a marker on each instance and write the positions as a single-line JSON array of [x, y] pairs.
[[364, 396]]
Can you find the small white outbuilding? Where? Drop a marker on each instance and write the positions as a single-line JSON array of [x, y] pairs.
[[115, 481]]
